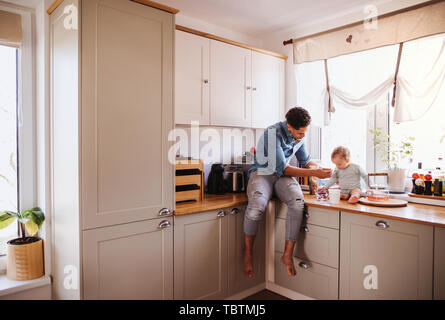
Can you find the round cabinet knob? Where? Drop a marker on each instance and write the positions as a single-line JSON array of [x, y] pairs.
[[303, 265], [164, 212], [206, 81], [305, 229], [164, 224], [248, 88], [254, 89], [306, 215], [382, 224], [221, 214], [234, 211]]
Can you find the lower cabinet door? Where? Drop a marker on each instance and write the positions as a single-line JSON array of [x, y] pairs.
[[129, 261], [439, 263], [317, 244], [237, 280], [200, 249], [385, 259], [312, 279]]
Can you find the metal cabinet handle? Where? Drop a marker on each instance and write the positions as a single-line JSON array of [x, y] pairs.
[[206, 81], [221, 214], [305, 229], [254, 89], [164, 212], [234, 211], [382, 224], [303, 265], [248, 88], [306, 216], [164, 224]]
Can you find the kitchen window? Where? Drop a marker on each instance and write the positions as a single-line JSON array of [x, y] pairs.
[[9, 200], [421, 89], [17, 123]]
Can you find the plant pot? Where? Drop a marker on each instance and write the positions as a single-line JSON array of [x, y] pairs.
[[396, 180], [25, 260]]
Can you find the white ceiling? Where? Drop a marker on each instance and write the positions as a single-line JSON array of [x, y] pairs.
[[256, 17]]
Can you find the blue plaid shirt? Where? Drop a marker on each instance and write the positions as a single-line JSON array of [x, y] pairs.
[[285, 148]]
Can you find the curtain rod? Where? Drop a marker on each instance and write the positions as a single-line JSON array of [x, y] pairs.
[[389, 14]]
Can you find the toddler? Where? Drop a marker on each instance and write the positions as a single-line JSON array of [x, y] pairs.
[[348, 175]]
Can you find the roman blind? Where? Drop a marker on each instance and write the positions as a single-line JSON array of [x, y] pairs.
[[392, 29], [10, 29]]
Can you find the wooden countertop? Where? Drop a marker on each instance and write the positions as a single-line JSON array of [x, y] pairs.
[[211, 202], [417, 213], [413, 212]]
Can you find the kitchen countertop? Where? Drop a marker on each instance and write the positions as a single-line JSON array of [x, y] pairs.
[[413, 212], [211, 202], [417, 213]]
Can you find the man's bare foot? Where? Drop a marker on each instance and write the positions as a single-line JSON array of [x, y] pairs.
[[248, 264], [289, 264], [353, 199]]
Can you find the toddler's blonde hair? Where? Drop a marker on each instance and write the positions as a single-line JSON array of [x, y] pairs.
[[342, 152]]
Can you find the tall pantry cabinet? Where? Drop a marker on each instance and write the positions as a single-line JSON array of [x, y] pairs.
[[111, 181]]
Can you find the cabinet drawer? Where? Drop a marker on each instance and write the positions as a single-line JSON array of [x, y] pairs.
[[317, 244], [317, 281], [317, 216], [188, 195], [185, 180]]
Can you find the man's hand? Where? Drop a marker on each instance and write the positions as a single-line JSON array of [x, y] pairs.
[[323, 173]]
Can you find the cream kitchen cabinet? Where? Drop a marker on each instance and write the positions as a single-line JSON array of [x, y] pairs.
[[111, 112], [130, 261], [209, 255], [200, 253], [385, 259], [315, 256], [223, 84], [267, 90], [439, 263], [192, 78], [238, 282], [231, 85]]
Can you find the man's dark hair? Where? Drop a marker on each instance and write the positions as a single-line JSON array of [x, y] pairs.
[[298, 118]]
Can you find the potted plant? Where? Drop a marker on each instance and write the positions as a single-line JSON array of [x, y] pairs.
[[395, 156], [25, 254]]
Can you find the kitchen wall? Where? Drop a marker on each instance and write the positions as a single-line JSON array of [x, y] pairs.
[[221, 31], [215, 144]]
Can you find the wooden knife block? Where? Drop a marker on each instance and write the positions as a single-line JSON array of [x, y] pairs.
[[189, 180]]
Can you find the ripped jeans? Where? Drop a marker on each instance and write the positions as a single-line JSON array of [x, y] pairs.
[[260, 190]]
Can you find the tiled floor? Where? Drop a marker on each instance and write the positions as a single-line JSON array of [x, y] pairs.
[[266, 295]]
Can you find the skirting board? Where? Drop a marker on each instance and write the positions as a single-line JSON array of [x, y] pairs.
[[246, 293], [286, 292]]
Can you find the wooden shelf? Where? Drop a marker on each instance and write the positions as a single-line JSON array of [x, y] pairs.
[[426, 197]]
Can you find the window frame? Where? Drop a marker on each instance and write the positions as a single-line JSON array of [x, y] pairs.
[[379, 117], [26, 146]]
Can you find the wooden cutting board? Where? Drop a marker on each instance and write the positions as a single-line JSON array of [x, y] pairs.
[[388, 203]]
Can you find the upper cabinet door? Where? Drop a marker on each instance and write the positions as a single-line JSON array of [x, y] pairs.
[[267, 90], [192, 82], [230, 94], [127, 113]]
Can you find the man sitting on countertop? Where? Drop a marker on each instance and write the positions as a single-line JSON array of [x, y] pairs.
[[271, 172]]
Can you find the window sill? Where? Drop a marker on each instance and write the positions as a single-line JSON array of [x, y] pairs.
[[8, 286], [432, 202]]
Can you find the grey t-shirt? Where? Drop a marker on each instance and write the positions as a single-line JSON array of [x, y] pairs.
[[348, 178]]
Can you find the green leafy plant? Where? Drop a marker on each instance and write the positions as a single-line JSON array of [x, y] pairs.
[[391, 153], [31, 220]]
